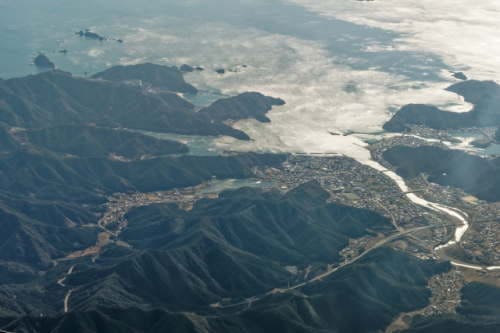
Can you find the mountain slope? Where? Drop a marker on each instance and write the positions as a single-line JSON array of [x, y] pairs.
[[243, 106], [57, 98], [479, 311], [484, 95], [90, 141], [364, 297], [235, 246], [162, 77], [475, 175]]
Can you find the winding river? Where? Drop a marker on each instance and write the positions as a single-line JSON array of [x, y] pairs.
[[453, 212]]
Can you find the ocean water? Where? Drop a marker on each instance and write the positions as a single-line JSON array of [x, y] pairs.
[[463, 33], [334, 74], [31, 26]]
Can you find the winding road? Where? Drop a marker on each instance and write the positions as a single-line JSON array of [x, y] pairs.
[[66, 300], [386, 240], [400, 232], [68, 294], [452, 212]]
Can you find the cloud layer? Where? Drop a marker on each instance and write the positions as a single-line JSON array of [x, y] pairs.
[[464, 33], [322, 96]]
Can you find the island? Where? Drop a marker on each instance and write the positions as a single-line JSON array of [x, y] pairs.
[[484, 95], [157, 76], [189, 69], [41, 61], [244, 106], [90, 35], [460, 76]]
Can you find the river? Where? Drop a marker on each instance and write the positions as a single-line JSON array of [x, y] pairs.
[[455, 213]]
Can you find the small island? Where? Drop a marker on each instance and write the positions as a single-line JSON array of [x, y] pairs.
[[460, 76], [484, 95], [42, 62], [189, 69], [90, 35]]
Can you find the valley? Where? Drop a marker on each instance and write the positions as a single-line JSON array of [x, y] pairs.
[[122, 216]]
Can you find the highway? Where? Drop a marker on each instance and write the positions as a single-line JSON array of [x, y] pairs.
[[410, 194], [399, 234]]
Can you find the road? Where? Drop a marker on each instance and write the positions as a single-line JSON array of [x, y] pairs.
[[66, 300], [399, 234], [454, 213], [61, 280], [388, 211], [402, 233], [68, 294]]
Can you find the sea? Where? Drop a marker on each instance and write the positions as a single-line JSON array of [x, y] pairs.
[[335, 74]]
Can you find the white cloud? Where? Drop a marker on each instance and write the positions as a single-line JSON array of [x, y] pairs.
[[464, 33], [321, 95], [95, 52]]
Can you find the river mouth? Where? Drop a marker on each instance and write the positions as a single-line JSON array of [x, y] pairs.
[[335, 75], [320, 66]]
